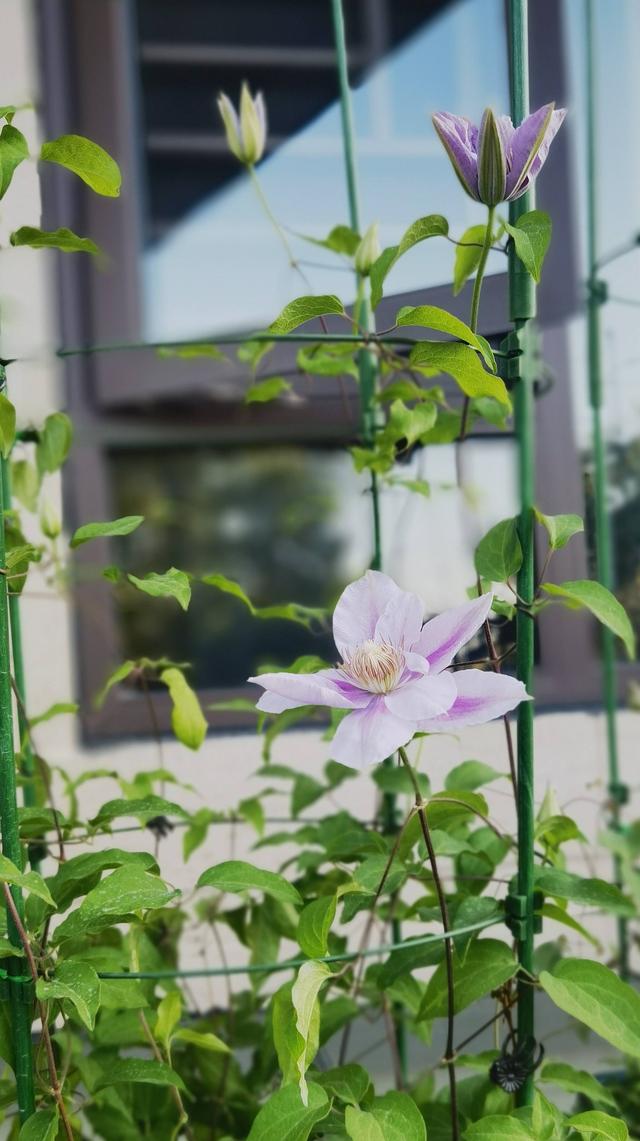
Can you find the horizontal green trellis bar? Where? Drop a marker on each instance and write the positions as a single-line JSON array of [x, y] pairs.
[[288, 964]]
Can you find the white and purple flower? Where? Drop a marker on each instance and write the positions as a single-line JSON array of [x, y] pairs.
[[393, 676], [498, 162]]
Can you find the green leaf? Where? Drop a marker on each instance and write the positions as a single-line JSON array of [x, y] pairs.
[[86, 159], [567, 1078], [468, 254], [144, 808], [419, 486], [121, 673], [552, 911], [487, 965], [62, 239], [55, 710], [590, 892], [594, 1124], [497, 1127], [407, 958], [314, 926], [285, 1118], [348, 1083], [499, 554], [408, 424], [202, 1040], [531, 236], [379, 271], [172, 584], [431, 317], [432, 226], [288, 1043], [601, 602], [13, 151], [560, 528], [265, 390], [7, 425], [304, 995], [118, 1070], [237, 876], [78, 875], [191, 352], [305, 309], [187, 719], [462, 363], [29, 881], [393, 1117], [340, 240], [54, 442], [126, 892], [42, 1126], [291, 611], [595, 995], [25, 484], [253, 812], [470, 775], [79, 984], [123, 526]]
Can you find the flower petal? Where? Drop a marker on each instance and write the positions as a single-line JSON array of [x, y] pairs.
[[482, 696], [525, 144], [367, 736], [459, 138], [359, 607], [427, 696], [327, 687], [555, 123], [443, 636], [401, 622]]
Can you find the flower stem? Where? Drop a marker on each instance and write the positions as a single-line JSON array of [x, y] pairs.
[[475, 304], [449, 1058], [262, 198]]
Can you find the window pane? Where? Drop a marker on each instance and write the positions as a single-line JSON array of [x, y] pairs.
[[289, 523], [212, 261]]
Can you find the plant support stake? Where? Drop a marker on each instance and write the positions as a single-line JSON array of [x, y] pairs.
[[596, 296], [522, 305], [367, 368], [19, 983]]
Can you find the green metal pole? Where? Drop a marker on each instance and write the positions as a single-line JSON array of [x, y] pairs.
[[19, 985], [596, 295], [28, 766], [368, 375], [522, 308]]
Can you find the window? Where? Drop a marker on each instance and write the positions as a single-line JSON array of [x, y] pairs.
[[190, 255]]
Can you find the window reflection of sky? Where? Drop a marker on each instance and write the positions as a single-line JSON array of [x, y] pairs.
[[223, 268]]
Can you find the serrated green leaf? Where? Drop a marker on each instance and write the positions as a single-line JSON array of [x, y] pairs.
[[498, 555], [172, 584], [305, 309], [462, 363], [187, 719], [237, 876], [601, 602], [61, 239], [595, 995], [285, 1118], [87, 160], [531, 236], [88, 531]]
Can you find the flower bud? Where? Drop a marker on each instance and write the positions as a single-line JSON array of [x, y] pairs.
[[247, 132], [368, 251], [50, 522], [492, 161]]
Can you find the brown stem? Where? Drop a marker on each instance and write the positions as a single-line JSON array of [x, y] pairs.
[[56, 1088], [449, 1059], [496, 665]]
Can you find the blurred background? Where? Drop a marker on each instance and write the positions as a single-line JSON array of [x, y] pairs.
[[268, 495]]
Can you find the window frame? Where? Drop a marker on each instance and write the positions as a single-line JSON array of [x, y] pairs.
[[89, 88]]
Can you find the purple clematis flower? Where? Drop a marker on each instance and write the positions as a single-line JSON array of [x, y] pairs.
[[498, 162], [393, 677]]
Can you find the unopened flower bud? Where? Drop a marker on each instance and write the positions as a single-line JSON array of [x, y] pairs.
[[368, 251], [246, 132], [492, 162], [50, 522]]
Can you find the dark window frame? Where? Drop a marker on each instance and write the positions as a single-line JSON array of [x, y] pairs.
[[86, 52]]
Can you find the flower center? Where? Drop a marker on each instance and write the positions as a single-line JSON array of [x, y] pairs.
[[375, 666]]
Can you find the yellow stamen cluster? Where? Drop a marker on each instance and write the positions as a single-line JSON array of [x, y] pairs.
[[375, 666]]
